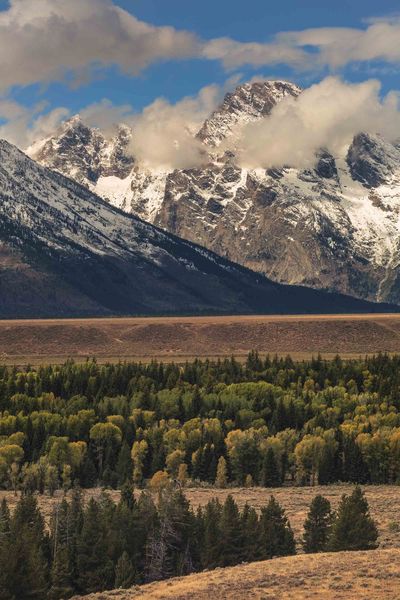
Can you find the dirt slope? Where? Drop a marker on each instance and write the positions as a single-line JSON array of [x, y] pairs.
[[342, 576]]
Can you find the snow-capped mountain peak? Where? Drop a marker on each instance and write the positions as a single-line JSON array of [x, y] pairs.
[[248, 103], [335, 226]]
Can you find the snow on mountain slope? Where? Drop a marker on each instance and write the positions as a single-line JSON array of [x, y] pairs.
[[64, 252], [335, 226]]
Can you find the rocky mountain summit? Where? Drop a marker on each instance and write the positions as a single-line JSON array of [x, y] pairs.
[[84, 153], [248, 103], [335, 226]]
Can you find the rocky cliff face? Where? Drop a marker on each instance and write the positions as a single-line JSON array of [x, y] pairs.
[[335, 226], [84, 153], [248, 103]]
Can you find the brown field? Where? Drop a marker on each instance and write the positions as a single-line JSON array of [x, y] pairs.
[[182, 338], [373, 575], [384, 502]]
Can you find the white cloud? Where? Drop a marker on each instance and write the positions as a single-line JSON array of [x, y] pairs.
[[313, 49], [326, 115], [42, 40], [236, 54], [164, 133], [23, 126], [50, 40], [107, 116]]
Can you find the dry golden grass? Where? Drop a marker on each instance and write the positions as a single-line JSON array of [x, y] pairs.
[[183, 338], [371, 575], [384, 502]]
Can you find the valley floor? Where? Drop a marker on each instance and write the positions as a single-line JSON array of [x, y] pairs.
[[183, 338], [373, 575]]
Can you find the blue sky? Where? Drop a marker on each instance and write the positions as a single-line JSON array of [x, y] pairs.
[[244, 21]]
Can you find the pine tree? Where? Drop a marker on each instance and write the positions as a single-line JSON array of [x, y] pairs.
[[278, 538], [169, 547], [128, 495], [74, 527], [5, 551], [353, 527], [354, 468], [231, 546], [212, 535], [251, 538], [270, 476], [124, 464], [124, 572], [95, 571], [317, 526], [4, 520], [28, 549], [61, 575]]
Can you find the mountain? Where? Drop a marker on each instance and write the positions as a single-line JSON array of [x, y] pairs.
[[335, 226], [247, 104], [66, 252]]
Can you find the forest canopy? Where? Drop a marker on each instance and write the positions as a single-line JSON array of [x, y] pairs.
[[268, 422]]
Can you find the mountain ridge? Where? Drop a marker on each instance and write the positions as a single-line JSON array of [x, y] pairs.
[[66, 252], [335, 226]]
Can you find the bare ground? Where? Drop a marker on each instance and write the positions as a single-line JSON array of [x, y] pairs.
[[182, 338]]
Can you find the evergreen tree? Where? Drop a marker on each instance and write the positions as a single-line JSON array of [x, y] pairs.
[[124, 465], [5, 550], [212, 534], [270, 476], [353, 527], [169, 547], [251, 538], [27, 552], [73, 530], [231, 546], [317, 526], [128, 495], [354, 468], [95, 571], [124, 572], [4, 520], [277, 535], [61, 575]]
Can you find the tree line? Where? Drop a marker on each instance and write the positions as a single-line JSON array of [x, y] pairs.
[[268, 422], [102, 545]]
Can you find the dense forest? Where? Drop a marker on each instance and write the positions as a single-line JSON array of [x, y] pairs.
[[102, 545], [267, 422]]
